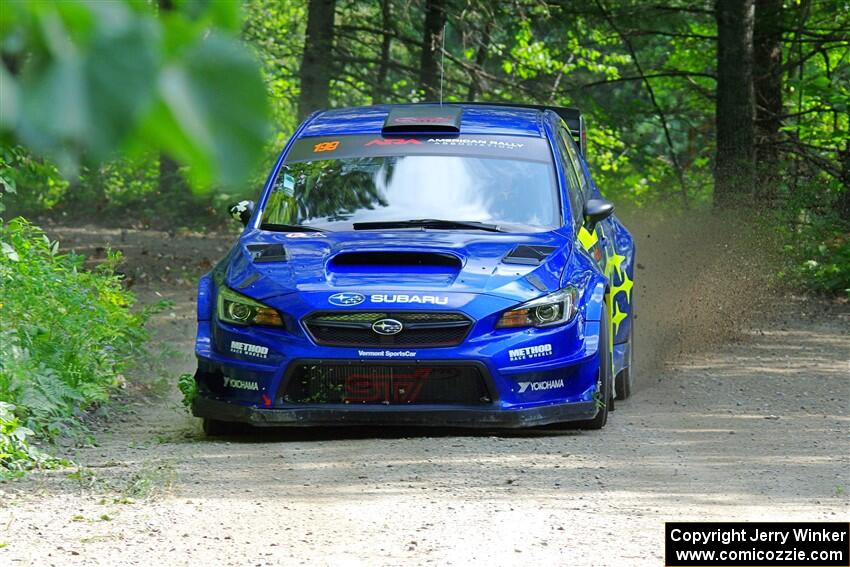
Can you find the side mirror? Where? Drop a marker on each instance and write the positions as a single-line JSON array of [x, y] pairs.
[[242, 211], [596, 210]]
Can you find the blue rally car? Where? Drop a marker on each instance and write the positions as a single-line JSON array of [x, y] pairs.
[[423, 264]]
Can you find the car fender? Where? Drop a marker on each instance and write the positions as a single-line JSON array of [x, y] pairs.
[[205, 297], [582, 272], [594, 300]]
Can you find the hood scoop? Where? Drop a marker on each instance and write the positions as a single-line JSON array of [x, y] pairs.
[[393, 268], [393, 261], [528, 255]]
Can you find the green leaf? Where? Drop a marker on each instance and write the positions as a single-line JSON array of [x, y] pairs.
[[104, 77], [9, 252], [215, 12], [119, 86], [217, 98]]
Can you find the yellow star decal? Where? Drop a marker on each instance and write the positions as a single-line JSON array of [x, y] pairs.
[[615, 262], [625, 286], [617, 317]]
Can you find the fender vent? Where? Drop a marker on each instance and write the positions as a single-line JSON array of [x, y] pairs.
[[528, 255], [399, 259], [267, 252]]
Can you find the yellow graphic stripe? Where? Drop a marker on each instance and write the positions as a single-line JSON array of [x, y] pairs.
[[617, 317], [615, 264], [625, 286], [609, 302], [587, 238]]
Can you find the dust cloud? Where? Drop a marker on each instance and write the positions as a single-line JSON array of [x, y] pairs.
[[700, 279]]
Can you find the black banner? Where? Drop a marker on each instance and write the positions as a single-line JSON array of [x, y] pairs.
[[762, 544], [523, 148]]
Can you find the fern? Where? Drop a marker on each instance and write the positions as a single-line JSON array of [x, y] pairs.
[[66, 334]]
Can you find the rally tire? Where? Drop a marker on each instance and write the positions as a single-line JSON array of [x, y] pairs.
[[218, 428], [625, 380], [605, 371]]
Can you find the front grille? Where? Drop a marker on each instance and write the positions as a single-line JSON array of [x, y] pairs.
[[421, 328], [388, 384]]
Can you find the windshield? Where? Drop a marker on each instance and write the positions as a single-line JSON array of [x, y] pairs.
[[447, 184]]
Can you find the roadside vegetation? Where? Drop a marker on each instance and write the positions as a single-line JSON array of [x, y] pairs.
[[67, 336], [179, 107]]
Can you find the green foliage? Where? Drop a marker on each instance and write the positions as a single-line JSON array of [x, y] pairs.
[[85, 80], [66, 333], [127, 192], [275, 31], [89, 81], [16, 453], [189, 388], [819, 256], [28, 182]]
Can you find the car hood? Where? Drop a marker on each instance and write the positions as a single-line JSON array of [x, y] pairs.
[[512, 266]]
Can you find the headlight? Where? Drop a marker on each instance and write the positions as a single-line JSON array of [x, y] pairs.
[[554, 309], [240, 310]]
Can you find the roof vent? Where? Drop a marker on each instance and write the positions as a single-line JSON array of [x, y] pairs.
[[425, 118]]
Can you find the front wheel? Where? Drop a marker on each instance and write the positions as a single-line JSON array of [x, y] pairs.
[[218, 428], [606, 394]]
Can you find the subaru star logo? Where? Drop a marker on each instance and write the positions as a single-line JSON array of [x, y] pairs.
[[344, 299], [387, 327]]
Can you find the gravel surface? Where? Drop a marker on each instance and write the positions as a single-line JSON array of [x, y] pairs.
[[753, 429]]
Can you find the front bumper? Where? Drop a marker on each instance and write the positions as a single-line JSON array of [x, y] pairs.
[[533, 376], [342, 415]]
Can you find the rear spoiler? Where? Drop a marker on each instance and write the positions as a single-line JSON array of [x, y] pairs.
[[572, 116]]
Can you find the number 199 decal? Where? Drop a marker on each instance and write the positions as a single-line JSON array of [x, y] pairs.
[[325, 147]]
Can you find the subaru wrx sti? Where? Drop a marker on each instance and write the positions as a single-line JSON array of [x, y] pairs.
[[431, 265]]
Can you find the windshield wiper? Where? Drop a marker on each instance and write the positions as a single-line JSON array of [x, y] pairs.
[[290, 227], [439, 224]]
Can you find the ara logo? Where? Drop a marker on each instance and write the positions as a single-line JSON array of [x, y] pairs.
[[393, 142], [403, 298], [539, 386], [345, 299], [240, 384], [387, 327]]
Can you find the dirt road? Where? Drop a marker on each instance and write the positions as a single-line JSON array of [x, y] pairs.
[[752, 429]]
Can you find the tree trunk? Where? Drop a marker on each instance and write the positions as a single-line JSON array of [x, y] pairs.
[[170, 180], [480, 59], [843, 203], [315, 71], [734, 115], [429, 64], [767, 83], [384, 62]]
